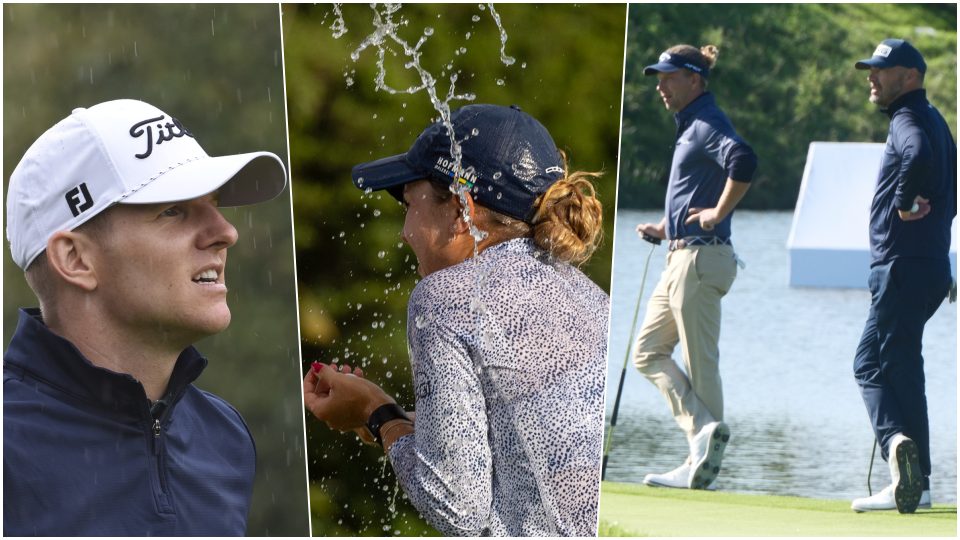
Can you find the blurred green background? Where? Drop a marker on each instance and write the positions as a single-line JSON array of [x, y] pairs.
[[785, 78], [218, 69], [355, 274]]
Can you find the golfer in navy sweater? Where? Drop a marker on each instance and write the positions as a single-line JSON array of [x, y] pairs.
[[913, 208], [112, 214]]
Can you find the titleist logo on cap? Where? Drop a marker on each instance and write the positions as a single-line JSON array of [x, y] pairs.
[[165, 132]]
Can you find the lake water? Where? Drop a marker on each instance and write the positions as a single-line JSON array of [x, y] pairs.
[[799, 426]]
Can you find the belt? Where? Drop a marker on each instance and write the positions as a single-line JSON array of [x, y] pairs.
[[688, 241]]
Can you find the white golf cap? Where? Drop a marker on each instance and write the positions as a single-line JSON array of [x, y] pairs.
[[127, 152]]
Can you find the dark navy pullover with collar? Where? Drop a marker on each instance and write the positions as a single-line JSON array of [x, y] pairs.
[[920, 159], [707, 152], [86, 454]]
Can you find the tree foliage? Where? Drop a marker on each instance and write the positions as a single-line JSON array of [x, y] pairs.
[[785, 78], [354, 273]]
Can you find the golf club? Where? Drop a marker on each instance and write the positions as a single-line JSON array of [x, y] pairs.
[[623, 372]]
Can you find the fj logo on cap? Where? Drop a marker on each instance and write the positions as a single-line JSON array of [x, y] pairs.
[[79, 199], [165, 132], [664, 57], [882, 50]]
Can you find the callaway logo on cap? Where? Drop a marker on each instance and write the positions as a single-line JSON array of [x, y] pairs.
[[127, 152]]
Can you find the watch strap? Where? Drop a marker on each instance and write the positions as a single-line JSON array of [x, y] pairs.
[[383, 414]]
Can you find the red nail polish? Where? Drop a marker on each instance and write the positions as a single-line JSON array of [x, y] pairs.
[[317, 366]]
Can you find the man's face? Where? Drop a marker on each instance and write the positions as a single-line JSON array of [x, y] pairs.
[[429, 227], [887, 84], [677, 89], [160, 269]]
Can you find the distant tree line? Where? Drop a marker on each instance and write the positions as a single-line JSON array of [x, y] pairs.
[[785, 78]]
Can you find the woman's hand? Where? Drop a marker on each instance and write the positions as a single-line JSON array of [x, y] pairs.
[[343, 400]]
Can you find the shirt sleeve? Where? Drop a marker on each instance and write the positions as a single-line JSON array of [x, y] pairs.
[[445, 466], [913, 146], [730, 152]]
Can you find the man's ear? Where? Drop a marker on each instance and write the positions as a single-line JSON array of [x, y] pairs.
[[70, 256], [460, 225]]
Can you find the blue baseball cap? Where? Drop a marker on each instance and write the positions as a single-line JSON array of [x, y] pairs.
[[670, 62], [894, 52], [508, 160]]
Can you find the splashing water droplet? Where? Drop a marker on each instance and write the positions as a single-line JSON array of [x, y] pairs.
[[500, 82], [428, 31], [474, 132], [499, 195], [475, 18], [507, 60], [339, 27], [383, 254], [497, 175], [376, 213], [342, 234]]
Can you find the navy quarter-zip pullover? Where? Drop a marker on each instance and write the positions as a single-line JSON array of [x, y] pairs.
[[85, 453], [920, 159]]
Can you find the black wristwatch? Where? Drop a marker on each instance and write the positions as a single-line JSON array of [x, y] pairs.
[[382, 415]]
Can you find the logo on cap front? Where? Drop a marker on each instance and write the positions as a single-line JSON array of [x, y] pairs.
[[468, 176], [883, 50], [79, 199], [664, 57], [166, 131]]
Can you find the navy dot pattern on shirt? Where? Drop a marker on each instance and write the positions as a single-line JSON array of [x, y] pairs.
[[509, 358]]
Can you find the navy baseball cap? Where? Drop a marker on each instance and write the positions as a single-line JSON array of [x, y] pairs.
[[894, 52], [670, 62], [508, 160]]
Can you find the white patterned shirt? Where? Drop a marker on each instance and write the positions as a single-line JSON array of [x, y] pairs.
[[509, 353]]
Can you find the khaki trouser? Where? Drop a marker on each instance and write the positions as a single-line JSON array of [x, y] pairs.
[[685, 307]]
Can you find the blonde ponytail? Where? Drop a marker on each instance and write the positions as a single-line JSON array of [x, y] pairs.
[[710, 53], [569, 217]]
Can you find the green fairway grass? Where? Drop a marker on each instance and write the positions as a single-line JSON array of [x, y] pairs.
[[636, 510]]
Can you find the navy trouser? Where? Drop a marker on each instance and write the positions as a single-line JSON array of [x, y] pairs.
[[889, 365]]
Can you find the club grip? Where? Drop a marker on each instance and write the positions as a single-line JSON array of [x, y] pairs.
[[652, 239]]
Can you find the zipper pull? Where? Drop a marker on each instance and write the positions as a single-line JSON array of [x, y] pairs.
[[156, 411]]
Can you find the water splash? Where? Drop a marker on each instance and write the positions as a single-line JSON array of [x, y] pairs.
[[339, 26], [507, 60], [383, 36]]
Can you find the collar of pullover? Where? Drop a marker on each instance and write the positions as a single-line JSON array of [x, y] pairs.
[[913, 97], [35, 349], [702, 101]]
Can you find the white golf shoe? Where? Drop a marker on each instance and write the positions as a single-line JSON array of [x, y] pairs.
[[904, 461], [905, 492], [884, 500], [677, 478], [706, 454]]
